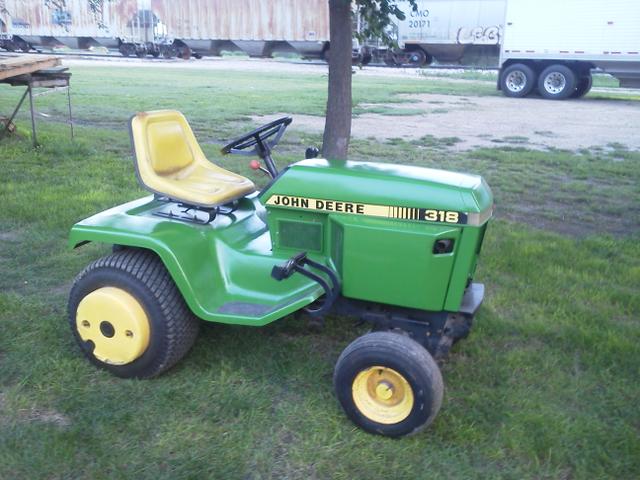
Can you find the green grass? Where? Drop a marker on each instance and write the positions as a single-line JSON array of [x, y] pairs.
[[546, 386], [388, 111]]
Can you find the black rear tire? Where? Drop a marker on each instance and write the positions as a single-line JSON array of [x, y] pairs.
[[172, 327], [517, 80], [394, 362], [557, 82], [584, 86]]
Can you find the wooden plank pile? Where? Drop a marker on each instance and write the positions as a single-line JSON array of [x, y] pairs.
[[33, 71], [12, 66]]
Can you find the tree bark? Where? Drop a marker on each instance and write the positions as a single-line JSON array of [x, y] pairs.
[[337, 128]]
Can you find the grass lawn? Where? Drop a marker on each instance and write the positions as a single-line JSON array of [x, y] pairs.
[[546, 386]]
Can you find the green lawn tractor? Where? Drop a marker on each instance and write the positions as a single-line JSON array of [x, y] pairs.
[[393, 246]]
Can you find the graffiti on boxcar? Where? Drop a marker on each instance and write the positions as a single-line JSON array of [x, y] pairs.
[[61, 17], [479, 35], [20, 23]]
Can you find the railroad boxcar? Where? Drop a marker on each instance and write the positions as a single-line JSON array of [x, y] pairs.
[[467, 31], [170, 27]]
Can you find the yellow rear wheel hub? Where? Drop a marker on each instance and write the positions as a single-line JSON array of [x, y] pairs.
[[116, 323], [382, 395]]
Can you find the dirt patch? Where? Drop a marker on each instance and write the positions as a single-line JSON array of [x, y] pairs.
[[10, 236], [46, 416], [32, 414], [499, 121]]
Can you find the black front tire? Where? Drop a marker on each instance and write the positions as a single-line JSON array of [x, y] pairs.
[[557, 82], [517, 80], [375, 354], [172, 326]]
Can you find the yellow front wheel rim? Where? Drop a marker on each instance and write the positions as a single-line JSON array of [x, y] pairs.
[[115, 322], [382, 395]]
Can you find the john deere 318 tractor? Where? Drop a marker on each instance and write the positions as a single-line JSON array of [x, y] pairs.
[[394, 246]]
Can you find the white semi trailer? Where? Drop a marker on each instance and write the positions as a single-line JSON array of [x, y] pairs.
[[551, 46]]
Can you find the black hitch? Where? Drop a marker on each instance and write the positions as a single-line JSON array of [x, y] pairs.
[[297, 264]]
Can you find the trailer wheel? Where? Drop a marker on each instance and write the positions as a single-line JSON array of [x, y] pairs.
[[183, 52], [23, 46], [391, 59], [128, 316], [557, 82], [584, 86], [517, 80], [388, 384], [126, 50], [417, 58], [168, 52]]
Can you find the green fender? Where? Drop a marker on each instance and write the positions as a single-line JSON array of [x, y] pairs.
[[222, 269]]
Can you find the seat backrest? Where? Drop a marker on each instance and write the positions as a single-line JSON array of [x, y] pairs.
[[170, 163], [168, 149], [164, 143]]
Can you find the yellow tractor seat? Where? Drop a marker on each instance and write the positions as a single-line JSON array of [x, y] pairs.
[[170, 162]]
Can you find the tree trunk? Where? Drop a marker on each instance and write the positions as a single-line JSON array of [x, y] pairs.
[[337, 128]]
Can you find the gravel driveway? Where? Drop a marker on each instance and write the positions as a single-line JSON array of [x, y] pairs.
[[493, 121]]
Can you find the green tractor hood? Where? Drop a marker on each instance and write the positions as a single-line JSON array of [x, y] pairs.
[[399, 235], [385, 185]]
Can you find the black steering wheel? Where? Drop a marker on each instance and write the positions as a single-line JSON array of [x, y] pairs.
[[259, 141]]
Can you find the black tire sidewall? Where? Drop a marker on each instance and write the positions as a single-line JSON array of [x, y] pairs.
[[111, 277], [356, 361], [529, 75], [583, 86], [571, 81]]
